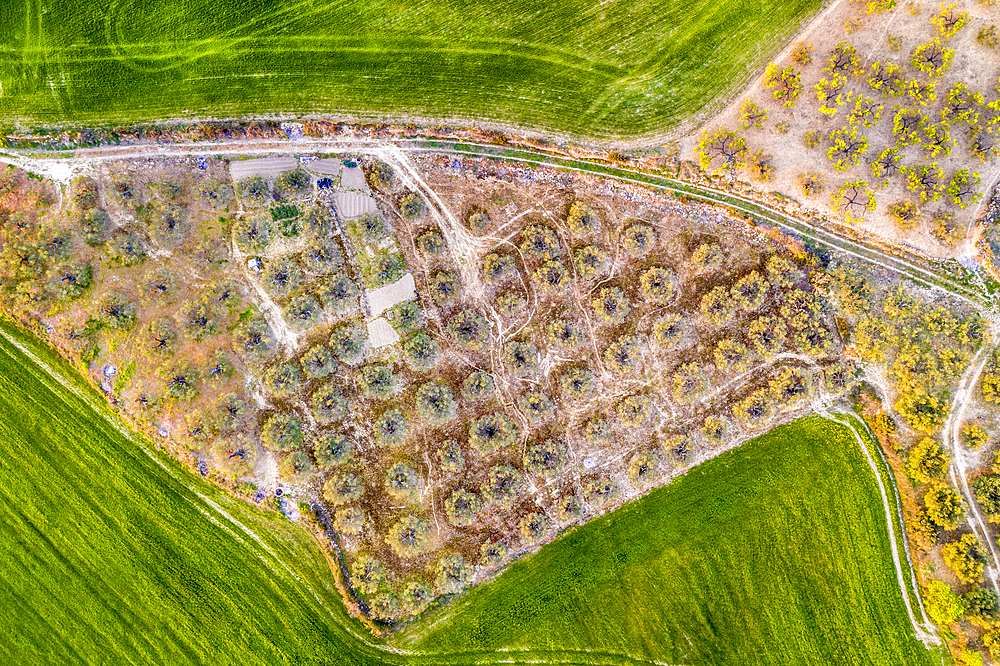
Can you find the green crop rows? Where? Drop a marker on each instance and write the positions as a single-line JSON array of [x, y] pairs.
[[773, 553], [583, 67], [108, 557]]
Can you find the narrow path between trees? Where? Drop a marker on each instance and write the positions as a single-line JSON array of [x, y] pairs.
[[957, 470], [63, 165]]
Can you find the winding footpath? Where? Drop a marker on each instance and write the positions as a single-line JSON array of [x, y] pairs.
[[63, 166], [957, 469]]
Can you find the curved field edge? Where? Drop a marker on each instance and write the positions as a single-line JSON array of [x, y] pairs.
[[774, 553], [113, 552], [577, 68], [859, 426]]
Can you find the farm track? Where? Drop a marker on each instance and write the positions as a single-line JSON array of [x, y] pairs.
[[925, 630], [810, 232], [957, 470], [63, 165]]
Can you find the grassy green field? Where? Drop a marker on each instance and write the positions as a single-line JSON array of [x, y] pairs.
[[775, 553], [111, 555], [107, 556], [584, 67]]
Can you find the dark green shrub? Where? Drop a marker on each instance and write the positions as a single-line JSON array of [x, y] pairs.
[[401, 482], [520, 357], [511, 304], [347, 342], [382, 177], [421, 352], [328, 404], [477, 385], [390, 428], [127, 249], [415, 596], [408, 537], [492, 432], [197, 319], [386, 269], [282, 432], [434, 402], [547, 457], [468, 330], [568, 508], [376, 381], [450, 456], [318, 362], [332, 449], [706, 258]]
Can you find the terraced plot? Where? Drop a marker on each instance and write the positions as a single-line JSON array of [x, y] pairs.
[[578, 66]]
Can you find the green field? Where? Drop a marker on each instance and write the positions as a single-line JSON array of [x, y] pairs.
[[110, 555], [775, 553], [584, 67]]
